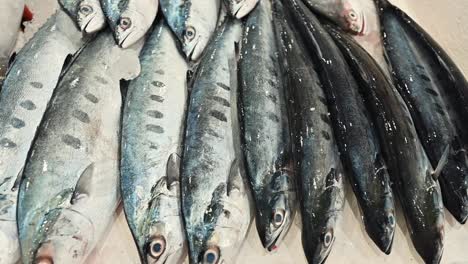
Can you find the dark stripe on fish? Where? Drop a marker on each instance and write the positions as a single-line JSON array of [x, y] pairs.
[[155, 128], [92, 98], [36, 85], [158, 84], [273, 117], [218, 115], [225, 87], [28, 105], [82, 116], [71, 141], [155, 114], [157, 98], [7, 143], [17, 123], [220, 100]]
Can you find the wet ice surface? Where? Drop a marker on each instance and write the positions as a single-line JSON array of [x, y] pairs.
[[352, 244]]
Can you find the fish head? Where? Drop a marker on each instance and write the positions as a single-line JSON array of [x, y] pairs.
[[352, 19], [64, 236], [274, 218], [381, 229], [240, 8], [90, 17], [318, 237], [132, 26], [9, 245], [198, 29]]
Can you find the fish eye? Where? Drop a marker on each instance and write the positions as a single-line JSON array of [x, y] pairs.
[[86, 9], [327, 238], [125, 23], [352, 15], [190, 33], [278, 217], [156, 247], [44, 260], [211, 255]]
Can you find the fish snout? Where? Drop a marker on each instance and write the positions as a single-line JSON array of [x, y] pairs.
[[9, 246], [382, 230], [430, 245]]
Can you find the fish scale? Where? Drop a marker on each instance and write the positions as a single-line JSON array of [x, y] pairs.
[[75, 158], [215, 204], [152, 130], [359, 146], [27, 90], [318, 165]]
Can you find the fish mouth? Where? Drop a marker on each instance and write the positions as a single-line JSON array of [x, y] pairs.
[[272, 246], [122, 42], [190, 54], [363, 26]]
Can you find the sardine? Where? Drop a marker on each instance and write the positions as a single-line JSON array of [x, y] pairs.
[[194, 23], [130, 19], [240, 8], [318, 166], [215, 202], [423, 85], [152, 132], [87, 14], [25, 95], [355, 133], [408, 163], [70, 186], [10, 21], [266, 138]]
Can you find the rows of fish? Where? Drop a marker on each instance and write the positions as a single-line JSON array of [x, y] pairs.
[[212, 113]]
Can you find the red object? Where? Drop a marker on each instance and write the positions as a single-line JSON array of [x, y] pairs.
[[27, 14]]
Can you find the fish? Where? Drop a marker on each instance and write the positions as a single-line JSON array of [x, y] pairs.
[[194, 23], [215, 201], [317, 162], [152, 132], [408, 164], [420, 78], [240, 8], [75, 157], [348, 14], [266, 141], [359, 145], [26, 93], [130, 20], [87, 14], [10, 22]]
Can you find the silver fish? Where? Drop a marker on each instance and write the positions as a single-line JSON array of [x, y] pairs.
[[240, 8], [10, 20], [26, 92], [215, 203], [152, 130], [88, 14], [70, 185], [266, 138], [130, 19], [193, 21]]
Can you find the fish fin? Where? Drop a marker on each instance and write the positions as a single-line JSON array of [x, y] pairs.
[[12, 59], [82, 188], [124, 89], [234, 181], [173, 169], [442, 162], [27, 14], [18, 180]]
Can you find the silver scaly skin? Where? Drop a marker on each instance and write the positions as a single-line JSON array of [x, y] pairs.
[[130, 20], [87, 14], [152, 130], [266, 139], [25, 95], [70, 185], [215, 201], [193, 21]]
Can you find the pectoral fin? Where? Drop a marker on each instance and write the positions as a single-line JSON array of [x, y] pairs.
[[84, 185], [442, 162], [18, 180]]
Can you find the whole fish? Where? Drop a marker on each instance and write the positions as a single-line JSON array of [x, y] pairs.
[[419, 79], [408, 163], [87, 14], [10, 21], [318, 165], [152, 130], [130, 19], [215, 202], [355, 133], [240, 8], [25, 95], [70, 186], [194, 23], [266, 138]]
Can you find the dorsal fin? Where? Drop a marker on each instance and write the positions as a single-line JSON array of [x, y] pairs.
[[173, 169], [442, 162], [18, 180], [84, 184]]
